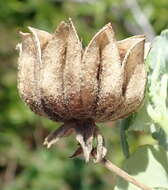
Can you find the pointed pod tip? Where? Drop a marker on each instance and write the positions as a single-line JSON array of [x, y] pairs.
[[31, 29], [107, 28], [63, 23], [62, 27], [73, 29], [23, 34], [142, 36], [142, 39], [109, 25], [71, 23]]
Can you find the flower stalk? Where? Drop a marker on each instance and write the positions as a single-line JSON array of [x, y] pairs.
[[121, 173]]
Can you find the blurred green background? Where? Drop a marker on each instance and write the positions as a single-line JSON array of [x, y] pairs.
[[24, 163]]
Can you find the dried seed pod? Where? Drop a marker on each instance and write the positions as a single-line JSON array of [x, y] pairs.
[[59, 80]]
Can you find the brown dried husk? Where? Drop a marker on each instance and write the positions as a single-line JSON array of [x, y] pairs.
[[60, 80]]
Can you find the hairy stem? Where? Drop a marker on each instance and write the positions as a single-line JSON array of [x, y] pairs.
[[118, 171]]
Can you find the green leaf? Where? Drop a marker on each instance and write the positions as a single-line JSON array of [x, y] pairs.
[[154, 110], [141, 121], [149, 165], [157, 61], [123, 125], [161, 137]]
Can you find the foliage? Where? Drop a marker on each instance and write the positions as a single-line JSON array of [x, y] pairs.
[[149, 165], [24, 163], [152, 117]]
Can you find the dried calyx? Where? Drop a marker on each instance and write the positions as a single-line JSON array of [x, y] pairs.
[[60, 80], [86, 131]]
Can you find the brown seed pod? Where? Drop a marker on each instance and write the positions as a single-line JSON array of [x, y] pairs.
[[60, 80]]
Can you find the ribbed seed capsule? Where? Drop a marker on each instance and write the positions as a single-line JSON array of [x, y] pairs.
[[53, 63], [64, 82], [90, 75], [28, 75], [72, 73], [110, 82]]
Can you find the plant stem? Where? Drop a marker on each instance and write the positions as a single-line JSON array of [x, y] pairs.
[[118, 171]]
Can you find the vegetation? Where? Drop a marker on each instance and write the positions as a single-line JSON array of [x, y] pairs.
[[24, 162]]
